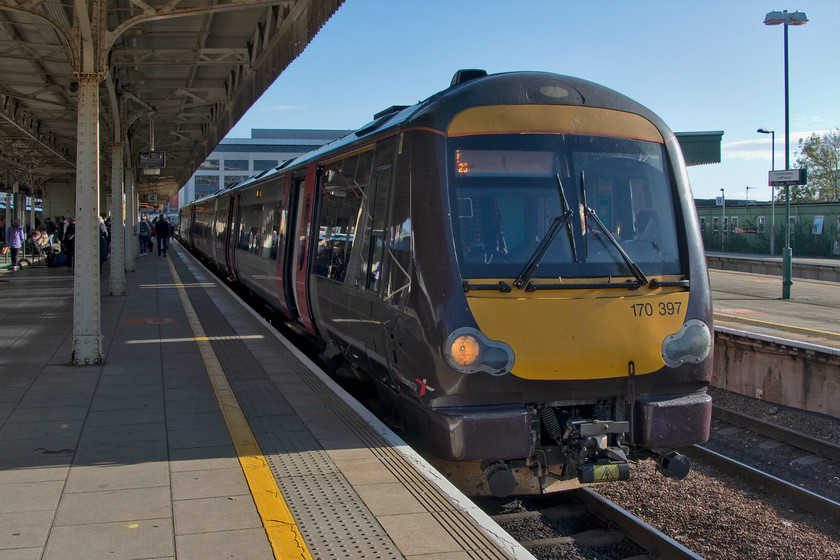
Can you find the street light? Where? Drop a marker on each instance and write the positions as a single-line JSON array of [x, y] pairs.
[[772, 134], [786, 19]]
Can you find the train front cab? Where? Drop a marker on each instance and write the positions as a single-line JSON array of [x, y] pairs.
[[581, 265]]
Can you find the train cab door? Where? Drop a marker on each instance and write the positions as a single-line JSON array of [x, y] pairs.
[[303, 187], [368, 303]]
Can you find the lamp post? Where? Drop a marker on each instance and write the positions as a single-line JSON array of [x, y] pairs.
[[772, 134], [786, 19]]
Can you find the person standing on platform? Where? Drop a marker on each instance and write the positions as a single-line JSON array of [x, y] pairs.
[[164, 230], [153, 238], [70, 242], [16, 240], [61, 229], [144, 230]]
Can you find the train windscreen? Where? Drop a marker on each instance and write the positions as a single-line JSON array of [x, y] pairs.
[[508, 192]]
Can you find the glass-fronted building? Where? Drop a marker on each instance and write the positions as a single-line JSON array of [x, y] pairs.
[[235, 159]]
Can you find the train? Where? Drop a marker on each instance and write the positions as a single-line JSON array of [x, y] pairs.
[[514, 263]]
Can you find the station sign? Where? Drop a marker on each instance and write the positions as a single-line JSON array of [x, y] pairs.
[[151, 159], [788, 177]]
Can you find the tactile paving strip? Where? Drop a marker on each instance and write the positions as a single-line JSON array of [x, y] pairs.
[[334, 521]]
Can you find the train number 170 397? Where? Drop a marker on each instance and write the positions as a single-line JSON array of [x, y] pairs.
[[651, 309]]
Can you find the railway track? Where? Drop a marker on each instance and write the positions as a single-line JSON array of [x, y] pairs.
[[799, 496], [779, 433], [580, 523], [795, 493]]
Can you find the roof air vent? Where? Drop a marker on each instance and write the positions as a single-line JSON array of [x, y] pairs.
[[462, 76], [390, 111]]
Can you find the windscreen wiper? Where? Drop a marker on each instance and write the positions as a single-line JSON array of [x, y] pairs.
[[534, 262], [565, 207], [634, 268]]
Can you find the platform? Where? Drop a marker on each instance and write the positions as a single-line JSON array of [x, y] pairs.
[[811, 268], [753, 302], [203, 435]]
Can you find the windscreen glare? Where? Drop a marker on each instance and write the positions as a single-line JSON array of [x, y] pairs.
[[507, 191]]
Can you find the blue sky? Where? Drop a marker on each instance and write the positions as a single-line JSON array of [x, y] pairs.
[[700, 65]]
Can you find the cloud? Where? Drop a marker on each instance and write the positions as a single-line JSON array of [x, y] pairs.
[[759, 148]]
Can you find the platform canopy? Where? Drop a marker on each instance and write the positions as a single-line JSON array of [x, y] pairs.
[[700, 148], [174, 75]]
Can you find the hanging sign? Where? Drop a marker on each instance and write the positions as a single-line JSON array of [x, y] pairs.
[[152, 159]]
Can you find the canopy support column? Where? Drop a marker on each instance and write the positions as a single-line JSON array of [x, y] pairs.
[[87, 326], [117, 232], [131, 241]]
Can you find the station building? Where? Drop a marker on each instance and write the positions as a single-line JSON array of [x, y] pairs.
[[236, 159], [744, 226]]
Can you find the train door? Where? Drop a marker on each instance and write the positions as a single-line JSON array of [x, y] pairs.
[[231, 239], [373, 257], [221, 228], [304, 187], [281, 228]]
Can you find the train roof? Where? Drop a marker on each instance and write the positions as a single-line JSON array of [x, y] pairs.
[[471, 88], [475, 87]]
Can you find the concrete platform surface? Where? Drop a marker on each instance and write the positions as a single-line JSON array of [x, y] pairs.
[[203, 435], [753, 302]]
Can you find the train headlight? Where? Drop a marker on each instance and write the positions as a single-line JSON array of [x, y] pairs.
[[691, 345], [467, 350], [464, 350]]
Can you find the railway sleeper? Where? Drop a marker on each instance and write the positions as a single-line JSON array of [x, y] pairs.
[[593, 538]]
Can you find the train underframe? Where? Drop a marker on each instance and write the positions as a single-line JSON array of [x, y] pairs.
[[588, 442]]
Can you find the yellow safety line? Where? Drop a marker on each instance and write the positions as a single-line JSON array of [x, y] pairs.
[[283, 534]]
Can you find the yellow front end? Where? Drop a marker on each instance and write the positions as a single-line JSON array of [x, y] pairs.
[[581, 334]]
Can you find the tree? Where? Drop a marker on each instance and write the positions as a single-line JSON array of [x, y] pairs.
[[821, 156]]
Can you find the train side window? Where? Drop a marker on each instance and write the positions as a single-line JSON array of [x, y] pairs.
[[307, 206], [339, 211], [375, 236], [221, 226], [251, 215], [397, 281], [344, 188]]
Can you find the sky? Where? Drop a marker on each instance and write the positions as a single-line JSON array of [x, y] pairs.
[[700, 65]]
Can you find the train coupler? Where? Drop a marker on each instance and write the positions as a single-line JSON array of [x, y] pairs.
[[602, 458]]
